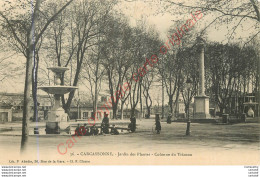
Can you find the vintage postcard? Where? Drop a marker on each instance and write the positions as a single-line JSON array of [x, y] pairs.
[[129, 82]]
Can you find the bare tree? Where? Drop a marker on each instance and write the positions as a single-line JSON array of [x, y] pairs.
[[146, 84], [75, 36], [137, 70], [189, 59], [93, 73], [27, 47], [116, 51], [235, 12], [231, 69]]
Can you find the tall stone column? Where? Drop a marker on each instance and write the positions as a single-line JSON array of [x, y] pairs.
[[201, 67], [201, 102]]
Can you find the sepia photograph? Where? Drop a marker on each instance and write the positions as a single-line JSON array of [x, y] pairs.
[[129, 82]]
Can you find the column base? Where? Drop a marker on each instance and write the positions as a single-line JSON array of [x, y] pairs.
[[201, 107], [202, 115]]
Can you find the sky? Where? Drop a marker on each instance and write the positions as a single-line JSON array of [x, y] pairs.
[[154, 13], [162, 15]]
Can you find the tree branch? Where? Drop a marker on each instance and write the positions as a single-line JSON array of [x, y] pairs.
[[13, 30], [50, 20]]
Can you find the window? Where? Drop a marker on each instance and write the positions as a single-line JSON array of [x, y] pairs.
[[85, 115]]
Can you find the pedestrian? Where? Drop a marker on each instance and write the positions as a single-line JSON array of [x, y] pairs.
[[77, 130], [114, 130], [94, 130], [132, 125], [157, 124], [87, 130], [105, 119], [105, 124], [169, 119]]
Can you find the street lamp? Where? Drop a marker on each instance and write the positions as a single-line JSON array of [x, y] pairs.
[[188, 85]]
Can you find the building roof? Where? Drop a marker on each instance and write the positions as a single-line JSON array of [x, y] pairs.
[[4, 105], [16, 99]]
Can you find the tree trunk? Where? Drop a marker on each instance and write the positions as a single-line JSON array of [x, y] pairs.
[[114, 111], [258, 82], [34, 88], [221, 109], [141, 102], [28, 79], [66, 107], [148, 112], [96, 98], [26, 101], [132, 112], [171, 103], [176, 104], [122, 111]]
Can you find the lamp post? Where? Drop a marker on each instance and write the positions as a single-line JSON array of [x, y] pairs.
[[188, 85]]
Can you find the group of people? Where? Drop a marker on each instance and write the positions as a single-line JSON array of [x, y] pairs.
[[105, 126], [93, 130], [87, 131], [114, 130]]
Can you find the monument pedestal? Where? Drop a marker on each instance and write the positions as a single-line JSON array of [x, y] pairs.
[[201, 107]]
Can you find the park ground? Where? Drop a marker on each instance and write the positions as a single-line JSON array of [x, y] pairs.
[[209, 144]]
